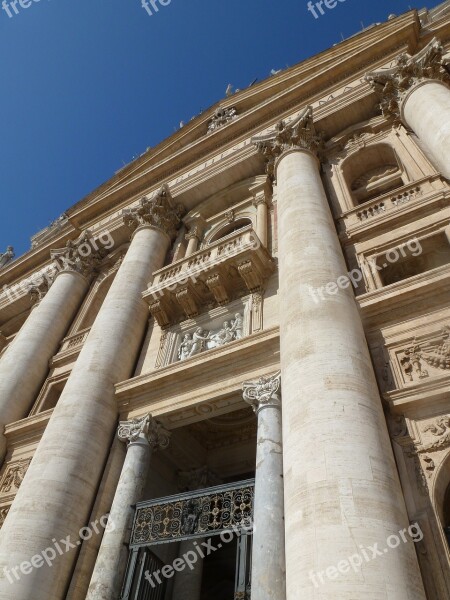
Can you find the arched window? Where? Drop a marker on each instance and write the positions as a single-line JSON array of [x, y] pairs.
[[373, 171], [230, 228]]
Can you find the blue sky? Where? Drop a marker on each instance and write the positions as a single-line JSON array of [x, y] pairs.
[[89, 84]]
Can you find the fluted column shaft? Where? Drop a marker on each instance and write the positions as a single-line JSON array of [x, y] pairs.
[[142, 435], [24, 366], [268, 557], [56, 495], [426, 110], [341, 483], [81, 577], [342, 489]]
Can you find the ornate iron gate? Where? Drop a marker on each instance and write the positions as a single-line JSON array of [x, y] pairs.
[[223, 510]]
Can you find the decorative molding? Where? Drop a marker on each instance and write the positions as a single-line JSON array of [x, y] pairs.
[[434, 353], [81, 256], [230, 216], [257, 311], [145, 427], [221, 117], [13, 476], [263, 393], [6, 257], [299, 134], [393, 84], [159, 212]]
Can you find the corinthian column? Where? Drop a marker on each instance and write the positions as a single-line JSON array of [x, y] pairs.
[[416, 91], [268, 561], [24, 366], [142, 437], [56, 496], [342, 490]]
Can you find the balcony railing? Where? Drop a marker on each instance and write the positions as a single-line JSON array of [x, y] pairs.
[[229, 268], [388, 204]]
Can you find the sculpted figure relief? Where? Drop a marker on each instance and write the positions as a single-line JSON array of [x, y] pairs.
[[7, 256], [202, 340]]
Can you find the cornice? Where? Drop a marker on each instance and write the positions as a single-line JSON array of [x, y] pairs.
[[392, 302], [271, 98], [258, 107], [181, 384], [28, 430]]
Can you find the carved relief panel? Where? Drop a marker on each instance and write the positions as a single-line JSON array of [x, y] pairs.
[[13, 476], [214, 329], [423, 357]]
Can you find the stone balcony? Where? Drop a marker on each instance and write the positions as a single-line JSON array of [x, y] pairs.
[[70, 347], [229, 268], [421, 195]]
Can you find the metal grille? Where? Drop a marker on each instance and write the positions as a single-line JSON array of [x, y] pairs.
[[142, 561], [194, 514]]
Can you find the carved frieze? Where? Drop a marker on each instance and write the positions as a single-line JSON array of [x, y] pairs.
[[300, 134], [159, 211], [221, 117], [393, 84], [13, 476]]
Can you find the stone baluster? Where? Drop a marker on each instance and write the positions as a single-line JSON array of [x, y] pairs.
[[24, 366], [416, 92], [142, 436], [341, 483], [86, 414], [268, 559]]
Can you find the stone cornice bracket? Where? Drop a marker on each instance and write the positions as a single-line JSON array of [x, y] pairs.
[[299, 134], [392, 85], [79, 256], [159, 212], [263, 393], [145, 427]]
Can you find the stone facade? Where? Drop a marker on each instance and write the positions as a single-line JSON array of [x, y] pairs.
[[250, 322]]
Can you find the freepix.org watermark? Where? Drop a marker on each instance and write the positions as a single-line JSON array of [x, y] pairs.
[[200, 550], [12, 9], [103, 240], [411, 247], [58, 548], [317, 8], [366, 555], [151, 7]]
